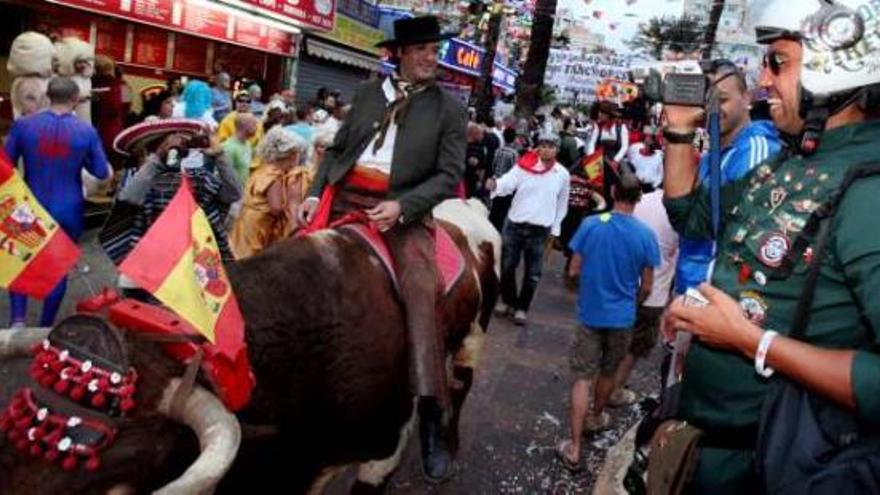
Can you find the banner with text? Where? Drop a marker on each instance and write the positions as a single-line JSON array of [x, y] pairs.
[[575, 75]]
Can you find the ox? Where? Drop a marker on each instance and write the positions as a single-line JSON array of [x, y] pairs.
[[326, 341]]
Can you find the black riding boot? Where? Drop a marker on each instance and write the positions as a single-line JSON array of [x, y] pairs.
[[436, 458]]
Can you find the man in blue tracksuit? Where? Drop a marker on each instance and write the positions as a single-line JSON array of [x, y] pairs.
[[744, 145]]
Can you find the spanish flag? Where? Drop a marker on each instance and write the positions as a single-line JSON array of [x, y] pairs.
[[593, 166], [35, 253], [179, 263]]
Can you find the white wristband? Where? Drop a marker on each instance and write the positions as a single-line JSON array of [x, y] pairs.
[[761, 355]]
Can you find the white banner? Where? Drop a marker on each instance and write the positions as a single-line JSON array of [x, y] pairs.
[[574, 75]]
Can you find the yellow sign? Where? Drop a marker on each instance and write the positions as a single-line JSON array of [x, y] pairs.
[[355, 34]]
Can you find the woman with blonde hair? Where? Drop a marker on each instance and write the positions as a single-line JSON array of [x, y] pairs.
[[273, 193]]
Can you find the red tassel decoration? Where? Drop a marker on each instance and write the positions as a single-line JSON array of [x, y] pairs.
[[126, 405], [22, 445], [36, 450], [77, 393], [51, 455], [99, 400], [93, 463], [61, 387], [69, 463]]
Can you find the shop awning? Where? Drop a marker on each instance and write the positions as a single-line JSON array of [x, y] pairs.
[[340, 55]]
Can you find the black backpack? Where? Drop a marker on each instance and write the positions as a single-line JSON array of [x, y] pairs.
[[806, 443]]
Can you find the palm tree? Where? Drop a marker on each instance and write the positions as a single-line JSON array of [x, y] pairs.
[[531, 80], [683, 34], [712, 29], [484, 99]]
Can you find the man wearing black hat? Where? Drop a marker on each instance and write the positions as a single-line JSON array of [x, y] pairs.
[[399, 153]]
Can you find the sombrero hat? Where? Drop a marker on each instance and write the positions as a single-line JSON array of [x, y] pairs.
[[142, 134]]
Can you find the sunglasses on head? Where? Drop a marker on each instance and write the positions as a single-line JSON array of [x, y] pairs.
[[774, 61]]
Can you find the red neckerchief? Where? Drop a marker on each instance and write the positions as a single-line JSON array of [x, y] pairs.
[[531, 163]]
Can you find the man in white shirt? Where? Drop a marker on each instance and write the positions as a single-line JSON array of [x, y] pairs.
[[651, 212], [540, 186], [646, 157]]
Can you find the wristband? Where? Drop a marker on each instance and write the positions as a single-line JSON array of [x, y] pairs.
[[673, 137], [761, 354]]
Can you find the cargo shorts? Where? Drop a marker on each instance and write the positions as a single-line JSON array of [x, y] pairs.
[[598, 351]]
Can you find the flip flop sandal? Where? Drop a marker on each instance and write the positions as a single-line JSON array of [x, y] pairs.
[[562, 454]]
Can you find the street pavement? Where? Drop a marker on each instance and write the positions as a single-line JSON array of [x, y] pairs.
[[516, 411], [518, 407]]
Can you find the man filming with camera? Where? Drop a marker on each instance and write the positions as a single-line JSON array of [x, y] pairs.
[[797, 277], [744, 145]]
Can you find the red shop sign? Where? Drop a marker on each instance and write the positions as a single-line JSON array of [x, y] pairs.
[[150, 46], [203, 20], [110, 39], [318, 14], [190, 54], [73, 26]]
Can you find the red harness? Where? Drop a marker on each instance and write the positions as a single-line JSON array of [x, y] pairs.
[[232, 380]]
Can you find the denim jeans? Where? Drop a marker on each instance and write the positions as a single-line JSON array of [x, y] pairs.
[[521, 240]]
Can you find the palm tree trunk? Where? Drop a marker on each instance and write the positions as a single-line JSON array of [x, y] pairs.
[[712, 28], [485, 99], [532, 79]]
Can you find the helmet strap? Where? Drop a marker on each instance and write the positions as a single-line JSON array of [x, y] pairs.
[[816, 110]]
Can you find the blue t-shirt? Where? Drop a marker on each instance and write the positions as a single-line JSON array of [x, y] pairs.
[[55, 148], [615, 249], [755, 144]]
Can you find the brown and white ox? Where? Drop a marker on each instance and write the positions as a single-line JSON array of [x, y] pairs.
[[326, 341]]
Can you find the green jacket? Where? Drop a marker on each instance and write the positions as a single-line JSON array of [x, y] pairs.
[[760, 211], [429, 152]]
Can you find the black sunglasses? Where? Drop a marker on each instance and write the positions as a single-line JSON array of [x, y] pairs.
[[774, 61]]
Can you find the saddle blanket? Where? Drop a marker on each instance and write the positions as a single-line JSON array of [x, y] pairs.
[[450, 260]]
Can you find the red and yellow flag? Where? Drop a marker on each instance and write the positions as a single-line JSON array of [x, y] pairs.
[[593, 166], [178, 261], [35, 253]]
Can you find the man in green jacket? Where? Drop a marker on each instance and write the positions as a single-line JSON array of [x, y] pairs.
[[400, 152], [762, 214]]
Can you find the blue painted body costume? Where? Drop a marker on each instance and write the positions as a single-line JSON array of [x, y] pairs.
[[55, 148]]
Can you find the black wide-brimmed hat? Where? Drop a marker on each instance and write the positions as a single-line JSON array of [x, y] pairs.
[[416, 30]]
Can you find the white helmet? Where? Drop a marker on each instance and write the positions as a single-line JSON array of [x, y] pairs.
[[841, 40], [841, 55]]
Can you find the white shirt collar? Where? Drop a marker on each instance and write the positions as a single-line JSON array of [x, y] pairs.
[[388, 89]]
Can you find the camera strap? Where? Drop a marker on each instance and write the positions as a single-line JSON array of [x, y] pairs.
[[715, 165]]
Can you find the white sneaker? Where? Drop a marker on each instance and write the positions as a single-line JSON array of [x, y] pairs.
[[502, 309], [520, 318]]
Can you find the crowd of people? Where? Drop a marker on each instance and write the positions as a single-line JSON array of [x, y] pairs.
[[628, 199]]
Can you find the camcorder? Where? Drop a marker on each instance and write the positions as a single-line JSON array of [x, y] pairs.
[[681, 83], [198, 141]]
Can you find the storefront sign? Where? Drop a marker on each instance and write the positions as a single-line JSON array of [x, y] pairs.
[[463, 57], [317, 14], [110, 37], [150, 46], [504, 78], [360, 11], [197, 19], [190, 54], [77, 25], [575, 75], [350, 32]]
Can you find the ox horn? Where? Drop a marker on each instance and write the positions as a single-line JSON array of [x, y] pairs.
[[18, 342], [219, 435]]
